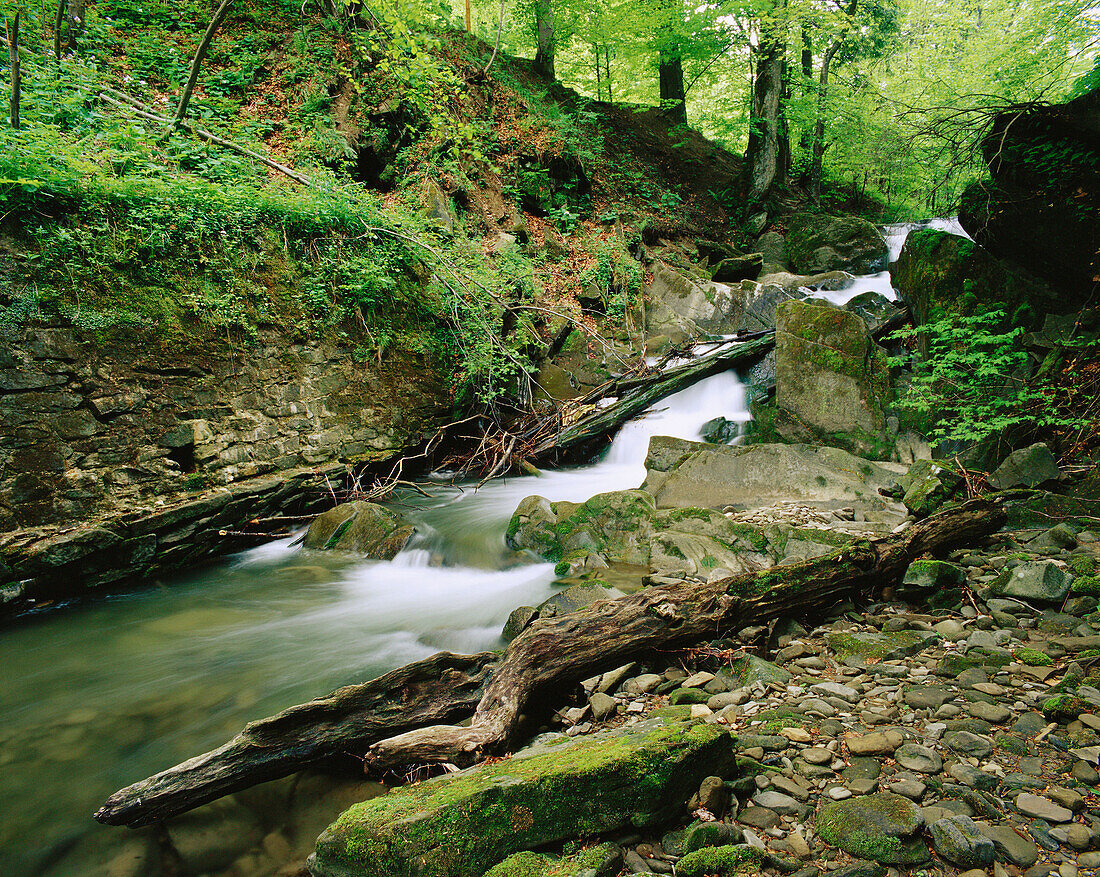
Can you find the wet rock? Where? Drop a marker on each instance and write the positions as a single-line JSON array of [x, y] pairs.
[[879, 646], [878, 743], [930, 574], [777, 802], [929, 486], [750, 669], [816, 242], [958, 839], [969, 744], [711, 834], [882, 827], [518, 619], [362, 527]]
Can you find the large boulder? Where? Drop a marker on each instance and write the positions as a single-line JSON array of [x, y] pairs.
[[817, 242], [831, 380], [940, 274], [1044, 581], [362, 527], [462, 824], [682, 474], [682, 305], [1026, 467], [1041, 210]]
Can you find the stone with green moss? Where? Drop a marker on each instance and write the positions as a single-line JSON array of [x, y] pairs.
[[750, 669], [1082, 565], [362, 527], [879, 646], [882, 827], [603, 860], [724, 861], [1032, 657], [931, 574], [1088, 586], [929, 484], [953, 664], [831, 379], [463, 824], [688, 695], [1065, 708]]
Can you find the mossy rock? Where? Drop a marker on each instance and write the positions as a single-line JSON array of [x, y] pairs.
[[883, 828], [1086, 586], [1065, 708], [725, 861], [362, 527], [463, 824], [689, 696], [878, 646], [817, 242], [930, 485], [934, 574], [1032, 657], [599, 861], [751, 669]]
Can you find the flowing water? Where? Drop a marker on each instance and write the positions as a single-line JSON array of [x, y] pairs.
[[100, 696]]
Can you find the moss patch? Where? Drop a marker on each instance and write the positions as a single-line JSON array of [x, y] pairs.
[[1032, 657], [721, 861]]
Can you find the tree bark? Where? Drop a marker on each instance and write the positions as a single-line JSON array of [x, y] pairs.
[[670, 72], [58, 21], [544, 25], [13, 56], [393, 716], [762, 157], [600, 426], [196, 64], [442, 688], [818, 152]]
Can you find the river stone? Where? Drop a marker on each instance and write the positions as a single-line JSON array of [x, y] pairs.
[[836, 689], [1044, 581], [831, 379], [1009, 846], [877, 743], [990, 712], [958, 840], [969, 744], [1027, 467], [878, 646], [777, 802], [882, 827], [750, 669], [362, 527], [928, 697], [1041, 808], [576, 597], [517, 622], [711, 834], [461, 824], [913, 756]]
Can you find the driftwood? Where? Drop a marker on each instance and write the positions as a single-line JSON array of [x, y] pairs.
[[442, 688], [393, 722], [637, 394]]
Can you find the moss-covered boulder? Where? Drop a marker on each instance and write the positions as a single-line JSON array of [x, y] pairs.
[[817, 242], [940, 274], [1026, 467], [883, 827], [750, 669], [463, 824], [831, 380], [1044, 581], [933, 575], [362, 527], [929, 485]]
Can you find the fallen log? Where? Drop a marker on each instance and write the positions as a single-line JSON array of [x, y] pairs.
[[599, 427], [393, 719], [442, 688]]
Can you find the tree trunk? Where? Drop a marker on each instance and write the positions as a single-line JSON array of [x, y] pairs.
[[538, 668], [818, 154], [442, 688], [783, 156], [762, 157], [469, 16], [13, 56], [196, 64], [58, 22], [670, 71], [544, 24]]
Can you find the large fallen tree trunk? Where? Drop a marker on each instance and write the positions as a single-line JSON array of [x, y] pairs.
[[637, 394], [442, 688], [392, 719]]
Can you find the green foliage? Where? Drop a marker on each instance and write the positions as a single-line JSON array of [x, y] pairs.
[[973, 384]]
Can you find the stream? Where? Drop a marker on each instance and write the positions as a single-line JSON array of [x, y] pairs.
[[102, 695]]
